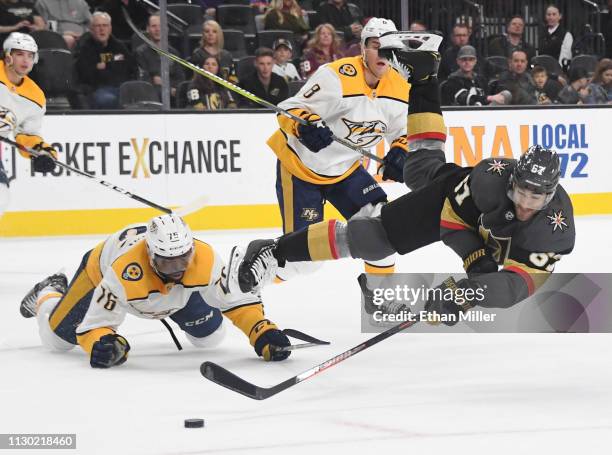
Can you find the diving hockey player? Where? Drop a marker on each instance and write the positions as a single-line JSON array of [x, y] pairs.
[[22, 106], [361, 99], [152, 271], [503, 212]]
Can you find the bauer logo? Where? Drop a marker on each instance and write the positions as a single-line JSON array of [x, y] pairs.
[[471, 144], [132, 272]]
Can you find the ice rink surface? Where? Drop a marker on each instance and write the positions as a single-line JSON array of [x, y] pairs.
[[413, 393]]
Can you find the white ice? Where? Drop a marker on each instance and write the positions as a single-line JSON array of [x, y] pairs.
[[413, 393]]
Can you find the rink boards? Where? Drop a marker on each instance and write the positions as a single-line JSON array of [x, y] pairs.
[[173, 159]]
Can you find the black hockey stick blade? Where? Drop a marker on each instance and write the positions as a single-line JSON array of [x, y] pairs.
[[219, 375], [303, 336]]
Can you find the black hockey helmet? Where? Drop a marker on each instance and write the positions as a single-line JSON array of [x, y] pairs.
[[537, 170]]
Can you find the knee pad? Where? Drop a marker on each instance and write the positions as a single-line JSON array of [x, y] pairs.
[[367, 239], [49, 339], [209, 341]]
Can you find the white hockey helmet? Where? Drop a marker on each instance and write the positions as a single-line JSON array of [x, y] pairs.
[[22, 42], [377, 27], [170, 245]]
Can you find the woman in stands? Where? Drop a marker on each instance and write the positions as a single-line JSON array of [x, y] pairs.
[[206, 95], [324, 47], [600, 89], [555, 40], [286, 15], [211, 45]]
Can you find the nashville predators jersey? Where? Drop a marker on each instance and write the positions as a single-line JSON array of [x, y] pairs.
[[478, 217], [364, 116], [127, 282], [22, 107]]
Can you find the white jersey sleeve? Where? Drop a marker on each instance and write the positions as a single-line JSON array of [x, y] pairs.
[[321, 95]]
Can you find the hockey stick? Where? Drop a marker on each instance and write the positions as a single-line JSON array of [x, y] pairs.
[[185, 210], [234, 88], [311, 341], [229, 380]]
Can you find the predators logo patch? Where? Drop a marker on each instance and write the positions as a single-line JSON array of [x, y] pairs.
[[132, 272], [309, 214], [348, 70], [365, 134]]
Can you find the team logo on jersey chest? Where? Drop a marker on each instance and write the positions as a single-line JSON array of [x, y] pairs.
[[366, 133], [309, 214], [132, 272], [497, 167], [348, 70], [557, 221]]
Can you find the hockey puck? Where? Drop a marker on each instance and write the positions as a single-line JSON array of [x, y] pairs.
[[194, 423]]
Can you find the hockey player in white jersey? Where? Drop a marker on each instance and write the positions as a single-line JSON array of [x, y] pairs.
[[361, 99], [22, 106], [152, 271]]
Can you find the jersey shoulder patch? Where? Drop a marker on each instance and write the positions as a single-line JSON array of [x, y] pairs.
[[489, 182], [349, 71]]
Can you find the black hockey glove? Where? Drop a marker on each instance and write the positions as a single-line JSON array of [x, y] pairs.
[[393, 165], [452, 297], [478, 262], [267, 344], [109, 351], [45, 161], [316, 135]]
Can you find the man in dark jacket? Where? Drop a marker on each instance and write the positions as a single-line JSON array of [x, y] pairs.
[[512, 40], [465, 87], [448, 63], [103, 63], [517, 80], [338, 13], [263, 82], [149, 61]]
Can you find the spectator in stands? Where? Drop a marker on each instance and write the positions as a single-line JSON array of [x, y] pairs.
[[286, 15], [260, 6], [70, 18], [577, 90], [283, 51], [547, 88], [600, 88], [513, 39], [324, 47], [211, 45], [339, 14], [418, 25], [137, 11], [448, 63], [517, 80], [149, 61], [465, 87], [206, 95], [103, 63], [555, 40], [19, 16], [263, 82]]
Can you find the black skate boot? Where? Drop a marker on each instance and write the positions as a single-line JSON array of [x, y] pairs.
[[59, 282], [254, 268], [386, 307]]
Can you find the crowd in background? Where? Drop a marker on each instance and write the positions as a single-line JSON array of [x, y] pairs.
[[106, 57]]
